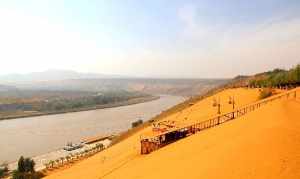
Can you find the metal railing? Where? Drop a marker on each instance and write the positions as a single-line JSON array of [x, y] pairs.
[[149, 144]]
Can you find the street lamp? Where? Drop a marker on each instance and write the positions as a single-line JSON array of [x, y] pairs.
[[217, 104], [231, 101]]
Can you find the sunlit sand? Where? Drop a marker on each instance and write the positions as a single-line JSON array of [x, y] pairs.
[[262, 144]]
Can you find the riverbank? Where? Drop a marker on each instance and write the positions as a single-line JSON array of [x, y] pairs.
[[50, 132], [112, 105], [43, 159]]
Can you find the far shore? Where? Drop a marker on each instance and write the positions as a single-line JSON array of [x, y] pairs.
[[112, 105]]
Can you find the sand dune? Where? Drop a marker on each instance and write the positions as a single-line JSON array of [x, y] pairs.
[[262, 144]]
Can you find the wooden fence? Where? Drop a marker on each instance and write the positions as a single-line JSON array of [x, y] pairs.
[[154, 142]]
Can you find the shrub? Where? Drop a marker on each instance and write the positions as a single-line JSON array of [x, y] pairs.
[[136, 123], [266, 92], [3, 170]]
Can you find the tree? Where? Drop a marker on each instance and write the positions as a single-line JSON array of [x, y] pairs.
[[100, 146], [26, 170], [277, 78], [29, 165], [62, 160], [51, 163], [68, 158], [21, 167], [26, 165]]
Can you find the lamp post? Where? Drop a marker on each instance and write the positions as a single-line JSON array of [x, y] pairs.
[[232, 101], [217, 104]]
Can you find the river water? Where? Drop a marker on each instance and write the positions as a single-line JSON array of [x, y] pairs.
[[37, 135]]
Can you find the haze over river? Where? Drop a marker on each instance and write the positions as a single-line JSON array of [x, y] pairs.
[[37, 135]]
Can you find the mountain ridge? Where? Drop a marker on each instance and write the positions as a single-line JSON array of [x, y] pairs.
[[53, 75]]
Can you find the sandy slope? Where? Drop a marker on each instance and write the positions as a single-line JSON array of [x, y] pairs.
[[261, 144]]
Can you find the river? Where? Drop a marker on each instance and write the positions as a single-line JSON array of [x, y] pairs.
[[37, 135]]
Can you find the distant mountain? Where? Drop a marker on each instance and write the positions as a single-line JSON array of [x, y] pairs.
[[64, 80], [181, 87], [7, 88], [52, 75]]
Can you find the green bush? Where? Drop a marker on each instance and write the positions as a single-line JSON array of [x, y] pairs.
[[264, 93]]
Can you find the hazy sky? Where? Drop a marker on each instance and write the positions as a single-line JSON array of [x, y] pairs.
[[158, 38]]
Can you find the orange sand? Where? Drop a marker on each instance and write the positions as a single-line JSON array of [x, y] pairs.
[[262, 144]]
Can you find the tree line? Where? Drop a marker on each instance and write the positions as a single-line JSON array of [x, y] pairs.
[[277, 77], [61, 104]]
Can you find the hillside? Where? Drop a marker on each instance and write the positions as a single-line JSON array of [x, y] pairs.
[[273, 78], [234, 150]]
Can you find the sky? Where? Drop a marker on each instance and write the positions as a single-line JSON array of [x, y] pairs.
[[157, 38]]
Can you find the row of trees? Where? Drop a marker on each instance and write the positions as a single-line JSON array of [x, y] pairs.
[[90, 101], [73, 157], [278, 77], [60, 104], [26, 170]]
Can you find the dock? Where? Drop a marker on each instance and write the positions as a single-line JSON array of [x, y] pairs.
[[91, 140]]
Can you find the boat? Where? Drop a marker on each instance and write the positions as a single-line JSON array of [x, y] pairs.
[[70, 146]]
